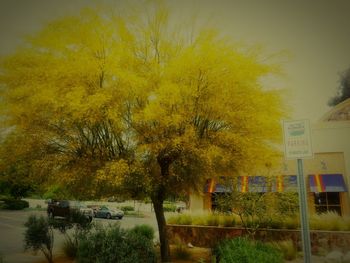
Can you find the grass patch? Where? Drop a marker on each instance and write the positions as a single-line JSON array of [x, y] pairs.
[[134, 214]]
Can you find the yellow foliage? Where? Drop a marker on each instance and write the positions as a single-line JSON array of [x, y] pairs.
[[96, 87]]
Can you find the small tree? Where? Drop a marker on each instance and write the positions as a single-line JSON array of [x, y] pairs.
[[252, 208], [39, 236], [343, 91], [105, 98]]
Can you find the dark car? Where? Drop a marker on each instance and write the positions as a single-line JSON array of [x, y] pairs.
[[63, 208], [105, 212]]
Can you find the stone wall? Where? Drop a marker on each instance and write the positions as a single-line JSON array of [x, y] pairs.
[[207, 236]]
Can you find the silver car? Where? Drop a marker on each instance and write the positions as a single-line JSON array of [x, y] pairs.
[[105, 212]]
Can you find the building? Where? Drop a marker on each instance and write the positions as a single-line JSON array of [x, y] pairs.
[[327, 173]]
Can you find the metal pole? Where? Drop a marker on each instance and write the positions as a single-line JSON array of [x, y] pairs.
[[305, 233]]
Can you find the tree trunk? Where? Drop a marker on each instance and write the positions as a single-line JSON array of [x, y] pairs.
[[157, 200]]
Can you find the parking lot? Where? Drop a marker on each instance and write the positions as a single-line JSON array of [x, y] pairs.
[[12, 233]]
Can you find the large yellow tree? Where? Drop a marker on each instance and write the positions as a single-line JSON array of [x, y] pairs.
[[124, 102]]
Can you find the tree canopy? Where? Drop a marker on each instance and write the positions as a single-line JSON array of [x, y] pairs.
[[343, 91], [108, 101]]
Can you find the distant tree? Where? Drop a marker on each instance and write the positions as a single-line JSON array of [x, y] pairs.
[[125, 103], [343, 92]]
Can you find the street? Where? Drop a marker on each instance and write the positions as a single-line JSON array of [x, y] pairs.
[[12, 234]]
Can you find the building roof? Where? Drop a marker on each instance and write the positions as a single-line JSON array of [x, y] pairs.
[[340, 112]]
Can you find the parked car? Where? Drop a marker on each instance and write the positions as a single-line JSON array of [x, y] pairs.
[[63, 208], [105, 212]]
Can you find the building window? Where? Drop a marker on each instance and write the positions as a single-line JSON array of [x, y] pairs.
[[328, 201]]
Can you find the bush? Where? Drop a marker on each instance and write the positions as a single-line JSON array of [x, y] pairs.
[[240, 250], [70, 248], [169, 207], [276, 222], [181, 252], [144, 230], [80, 225], [207, 219], [199, 220], [329, 221], [291, 223], [185, 220], [212, 220], [39, 236], [14, 204], [140, 249], [287, 248], [127, 208], [227, 221], [113, 244]]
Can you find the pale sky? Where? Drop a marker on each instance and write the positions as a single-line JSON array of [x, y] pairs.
[[315, 33]]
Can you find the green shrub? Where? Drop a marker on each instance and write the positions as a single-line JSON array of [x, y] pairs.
[[212, 220], [207, 219], [276, 222], [169, 207], [70, 248], [144, 230], [14, 204], [240, 250], [79, 225], [291, 223], [173, 220], [127, 208], [39, 236], [329, 221], [185, 220], [140, 249], [287, 248], [227, 221], [199, 220], [2, 200], [181, 252], [113, 244]]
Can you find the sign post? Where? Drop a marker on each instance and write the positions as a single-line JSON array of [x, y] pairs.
[[297, 145]]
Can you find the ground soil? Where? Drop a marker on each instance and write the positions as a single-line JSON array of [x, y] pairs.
[[197, 255]]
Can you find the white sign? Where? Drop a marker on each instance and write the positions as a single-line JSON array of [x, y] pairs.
[[297, 139]]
